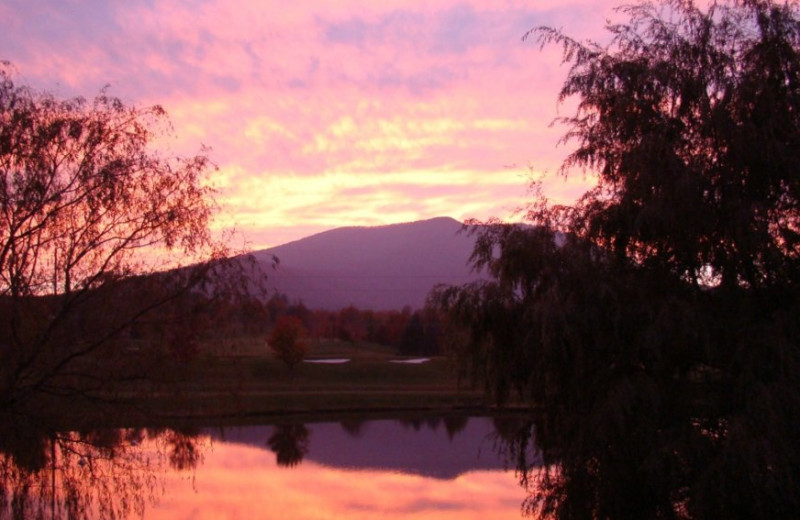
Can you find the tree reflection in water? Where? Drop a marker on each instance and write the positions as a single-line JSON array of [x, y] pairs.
[[109, 474], [582, 466], [290, 444]]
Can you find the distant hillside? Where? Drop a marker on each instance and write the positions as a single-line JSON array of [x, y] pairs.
[[380, 268]]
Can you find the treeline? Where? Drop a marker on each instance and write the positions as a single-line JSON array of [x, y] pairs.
[[411, 332]]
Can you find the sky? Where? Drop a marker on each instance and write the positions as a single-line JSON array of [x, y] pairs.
[[327, 114]]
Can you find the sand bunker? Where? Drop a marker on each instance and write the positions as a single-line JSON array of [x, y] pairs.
[[334, 361]]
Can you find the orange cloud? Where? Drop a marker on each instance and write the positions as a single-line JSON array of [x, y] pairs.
[[317, 117]]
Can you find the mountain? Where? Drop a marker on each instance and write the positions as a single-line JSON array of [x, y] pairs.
[[379, 268]]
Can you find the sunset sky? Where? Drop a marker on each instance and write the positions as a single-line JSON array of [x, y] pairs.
[[327, 114]]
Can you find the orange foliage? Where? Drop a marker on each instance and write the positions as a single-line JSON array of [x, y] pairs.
[[287, 340]]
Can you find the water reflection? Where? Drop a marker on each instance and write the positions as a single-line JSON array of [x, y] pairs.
[[107, 473], [432, 446], [642, 469], [289, 442], [413, 468], [422, 467], [359, 475]]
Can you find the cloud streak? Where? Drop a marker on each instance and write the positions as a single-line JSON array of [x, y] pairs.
[[350, 114]]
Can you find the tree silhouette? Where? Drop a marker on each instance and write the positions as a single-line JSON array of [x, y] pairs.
[[654, 323], [690, 119], [90, 216]]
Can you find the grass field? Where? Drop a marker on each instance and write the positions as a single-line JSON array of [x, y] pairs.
[[250, 381]]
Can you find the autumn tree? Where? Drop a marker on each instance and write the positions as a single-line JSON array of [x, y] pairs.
[[350, 326], [287, 340], [654, 323], [90, 217]]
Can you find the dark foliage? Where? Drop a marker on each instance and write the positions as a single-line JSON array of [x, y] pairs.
[[654, 325], [101, 238], [290, 443]]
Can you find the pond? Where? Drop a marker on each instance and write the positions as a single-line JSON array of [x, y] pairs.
[[410, 467]]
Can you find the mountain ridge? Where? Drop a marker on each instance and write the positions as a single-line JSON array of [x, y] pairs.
[[380, 267]]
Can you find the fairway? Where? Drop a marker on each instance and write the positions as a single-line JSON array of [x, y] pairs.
[[373, 378]]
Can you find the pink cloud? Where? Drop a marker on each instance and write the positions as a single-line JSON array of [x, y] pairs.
[[306, 107]]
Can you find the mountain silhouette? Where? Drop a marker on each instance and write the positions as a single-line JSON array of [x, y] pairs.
[[380, 268]]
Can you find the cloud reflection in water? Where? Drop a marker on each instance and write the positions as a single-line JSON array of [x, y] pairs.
[[239, 481]]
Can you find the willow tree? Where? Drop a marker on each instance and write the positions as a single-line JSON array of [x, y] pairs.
[[89, 213], [655, 321]]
